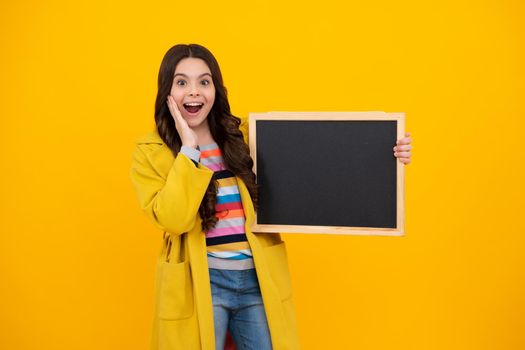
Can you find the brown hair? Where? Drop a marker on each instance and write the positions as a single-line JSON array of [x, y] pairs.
[[223, 125]]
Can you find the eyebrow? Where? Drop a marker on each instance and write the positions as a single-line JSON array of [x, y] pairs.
[[184, 75]]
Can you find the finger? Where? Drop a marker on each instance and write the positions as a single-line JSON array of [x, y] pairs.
[[404, 141], [402, 154], [400, 148], [404, 160]]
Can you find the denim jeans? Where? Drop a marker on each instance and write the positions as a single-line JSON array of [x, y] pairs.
[[238, 306]]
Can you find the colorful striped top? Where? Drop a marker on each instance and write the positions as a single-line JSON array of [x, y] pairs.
[[227, 245]]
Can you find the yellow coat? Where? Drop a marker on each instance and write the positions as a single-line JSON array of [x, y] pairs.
[[170, 190]]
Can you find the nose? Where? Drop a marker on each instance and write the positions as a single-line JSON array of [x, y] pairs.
[[194, 90]]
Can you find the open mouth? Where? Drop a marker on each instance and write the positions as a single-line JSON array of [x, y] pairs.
[[193, 107]]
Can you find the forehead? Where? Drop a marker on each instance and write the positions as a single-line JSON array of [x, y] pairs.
[[192, 65]]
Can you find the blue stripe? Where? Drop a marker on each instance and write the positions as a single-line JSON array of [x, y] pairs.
[[228, 198], [240, 257]]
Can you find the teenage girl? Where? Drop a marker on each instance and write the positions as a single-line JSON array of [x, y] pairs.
[[194, 180]]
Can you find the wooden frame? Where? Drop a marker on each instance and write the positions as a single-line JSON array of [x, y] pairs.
[[335, 116]]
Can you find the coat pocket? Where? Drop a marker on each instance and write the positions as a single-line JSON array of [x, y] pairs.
[[176, 291], [277, 260]]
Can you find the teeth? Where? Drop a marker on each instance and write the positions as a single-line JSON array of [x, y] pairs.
[[193, 104]]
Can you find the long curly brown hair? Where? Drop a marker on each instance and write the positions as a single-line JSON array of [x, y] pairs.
[[224, 126]]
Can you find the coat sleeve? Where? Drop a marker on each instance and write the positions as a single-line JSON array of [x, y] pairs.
[[171, 202]]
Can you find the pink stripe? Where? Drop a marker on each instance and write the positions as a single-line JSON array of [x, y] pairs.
[[224, 231], [214, 167]]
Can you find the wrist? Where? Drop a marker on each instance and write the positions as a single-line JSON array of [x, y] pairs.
[[191, 153]]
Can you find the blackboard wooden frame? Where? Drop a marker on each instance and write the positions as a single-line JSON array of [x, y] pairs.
[[398, 117]]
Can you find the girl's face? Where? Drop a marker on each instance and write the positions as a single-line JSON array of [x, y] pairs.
[[193, 91]]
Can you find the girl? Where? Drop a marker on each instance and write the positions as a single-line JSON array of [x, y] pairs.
[[194, 180]]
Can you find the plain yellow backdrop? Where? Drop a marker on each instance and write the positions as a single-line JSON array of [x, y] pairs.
[[78, 86]]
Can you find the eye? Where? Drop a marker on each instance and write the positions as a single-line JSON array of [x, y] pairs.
[[180, 82], [205, 82]]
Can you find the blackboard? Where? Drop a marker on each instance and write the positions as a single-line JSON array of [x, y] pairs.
[[328, 172]]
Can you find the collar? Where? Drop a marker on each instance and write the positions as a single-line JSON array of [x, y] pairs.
[[150, 137]]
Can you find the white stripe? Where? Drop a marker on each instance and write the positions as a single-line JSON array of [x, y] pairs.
[[226, 255], [246, 251], [230, 222], [229, 264], [225, 190]]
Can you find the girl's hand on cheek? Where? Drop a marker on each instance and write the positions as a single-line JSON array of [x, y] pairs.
[[188, 136], [402, 149]]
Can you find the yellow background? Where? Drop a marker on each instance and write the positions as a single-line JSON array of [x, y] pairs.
[[78, 86]]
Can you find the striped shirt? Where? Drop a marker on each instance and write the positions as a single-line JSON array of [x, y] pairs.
[[227, 245]]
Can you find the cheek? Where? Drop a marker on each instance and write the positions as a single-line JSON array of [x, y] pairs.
[[177, 96], [210, 104], [211, 97]]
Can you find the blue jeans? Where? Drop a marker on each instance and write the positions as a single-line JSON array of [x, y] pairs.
[[238, 306]]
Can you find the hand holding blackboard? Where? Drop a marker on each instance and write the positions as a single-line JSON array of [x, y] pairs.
[[329, 172], [402, 149]]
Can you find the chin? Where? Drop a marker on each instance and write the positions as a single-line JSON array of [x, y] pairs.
[[195, 124]]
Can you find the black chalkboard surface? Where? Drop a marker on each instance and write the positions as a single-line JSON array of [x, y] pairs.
[[328, 172]]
